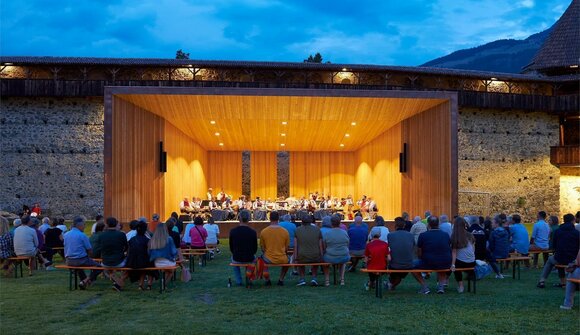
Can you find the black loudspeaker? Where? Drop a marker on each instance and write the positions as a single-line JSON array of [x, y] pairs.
[[162, 158], [403, 159]]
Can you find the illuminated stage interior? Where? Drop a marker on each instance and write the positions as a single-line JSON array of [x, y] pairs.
[[340, 142]]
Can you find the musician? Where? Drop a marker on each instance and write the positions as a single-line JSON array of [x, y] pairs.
[[372, 208], [303, 204], [213, 204], [349, 200], [228, 207], [258, 204], [270, 205], [364, 206], [185, 206], [241, 202], [221, 196], [196, 205], [209, 195], [327, 203]]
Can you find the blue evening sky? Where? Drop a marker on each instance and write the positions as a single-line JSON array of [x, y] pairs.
[[390, 32]]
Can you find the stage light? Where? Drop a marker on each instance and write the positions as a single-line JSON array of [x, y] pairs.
[[346, 135], [342, 144], [284, 122], [353, 123], [571, 66], [221, 144], [282, 134], [217, 134], [344, 69], [282, 144], [212, 122]]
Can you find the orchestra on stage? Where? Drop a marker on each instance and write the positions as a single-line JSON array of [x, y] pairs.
[[222, 207]]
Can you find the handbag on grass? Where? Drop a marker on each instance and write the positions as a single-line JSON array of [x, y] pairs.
[[185, 274]]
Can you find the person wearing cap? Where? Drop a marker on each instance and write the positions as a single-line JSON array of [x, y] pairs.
[[153, 223], [77, 250], [376, 255], [243, 242], [307, 248]]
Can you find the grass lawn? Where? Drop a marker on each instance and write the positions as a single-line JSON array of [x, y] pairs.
[[42, 304]]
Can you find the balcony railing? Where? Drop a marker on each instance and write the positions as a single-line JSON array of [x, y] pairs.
[[568, 155]]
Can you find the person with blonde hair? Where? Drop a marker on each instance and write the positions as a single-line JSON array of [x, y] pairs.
[[162, 250], [6, 245]]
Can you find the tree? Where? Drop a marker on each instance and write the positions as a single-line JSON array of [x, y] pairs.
[[316, 59], [181, 55]]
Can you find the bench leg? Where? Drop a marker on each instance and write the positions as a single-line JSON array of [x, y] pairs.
[[379, 285], [334, 273], [161, 281], [514, 270], [70, 279], [76, 279], [468, 282], [474, 283], [519, 270]]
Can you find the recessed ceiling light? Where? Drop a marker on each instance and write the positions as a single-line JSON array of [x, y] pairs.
[[344, 69], [493, 78], [221, 144], [342, 145], [284, 122], [282, 144], [8, 64], [282, 134], [212, 122], [346, 135], [353, 123], [217, 134]]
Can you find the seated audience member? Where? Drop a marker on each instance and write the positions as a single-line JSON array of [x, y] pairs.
[[326, 225], [138, 257], [15, 224], [434, 251], [380, 224], [213, 234], [162, 250], [94, 239], [178, 223], [290, 227], [34, 223], [197, 235], [274, 242], [335, 245], [357, 234], [152, 225], [26, 242], [417, 228], [462, 251], [133, 229], [53, 239], [307, 249], [186, 237], [499, 244], [113, 246], [479, 235], [77, 250], [62, 225], [571, 287], [243, 242], [408, 223], [376, 256], [554, 224], [566, 245], [519, 236], [98, 218], [6, 245], [540, 240], [577, 220], [170, 223], [445, 225], [45, 225], [402, 249]]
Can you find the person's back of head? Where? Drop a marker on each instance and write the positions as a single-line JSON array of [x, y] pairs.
[[433, 222], [542, 215], [99, 227], [568, 218], [174, 215], [99, 218], [405, 216], [335, 221], [307, 220], [427, 214], [112, 222], [141, 228], [159, 238], [459, 233], [379, 221], [198, 221], [516, 218], [25, 220], [17, 223], [133, 224], [500, 219], [416, 219], [375, 232], [170, 223], [54, 222], [443, 218], [45, 220], [358, 220], [327, 221], [155, 217], [287, 218], [472, 220], [34, 222], [78, 221], [244, 216], [399, 223], [4, 228], [274, 217], [553, 220]]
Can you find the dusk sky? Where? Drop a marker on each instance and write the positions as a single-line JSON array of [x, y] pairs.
[[389, 32]]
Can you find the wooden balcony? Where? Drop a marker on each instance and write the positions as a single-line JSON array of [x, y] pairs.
[[568, 155]]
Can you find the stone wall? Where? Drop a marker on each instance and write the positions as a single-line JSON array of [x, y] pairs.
[[52, 153], [504, 162]]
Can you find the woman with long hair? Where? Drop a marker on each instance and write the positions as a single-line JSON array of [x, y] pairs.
[[462, 250], [162, 250], [138, 257]]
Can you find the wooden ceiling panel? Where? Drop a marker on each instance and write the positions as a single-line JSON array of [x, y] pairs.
[[255, 122]]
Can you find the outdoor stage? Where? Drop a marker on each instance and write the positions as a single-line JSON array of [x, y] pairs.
[[164, 143]]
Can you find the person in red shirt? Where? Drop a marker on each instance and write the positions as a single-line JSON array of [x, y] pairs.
[[377, 255], [36, 209]]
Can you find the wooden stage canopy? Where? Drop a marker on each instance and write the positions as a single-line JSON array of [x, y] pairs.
[[340, 142]]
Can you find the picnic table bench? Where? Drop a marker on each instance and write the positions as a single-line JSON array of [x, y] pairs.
[[17, 262], [379, 273], [334, 268], [517, 260], [191, 253]]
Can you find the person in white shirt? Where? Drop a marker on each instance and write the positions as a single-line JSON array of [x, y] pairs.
[[258, 204], [372, 208], [380, 225], [185, 206], [213, 232], [209, 194]]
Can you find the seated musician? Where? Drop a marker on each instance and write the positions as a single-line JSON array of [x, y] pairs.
[[270, 205], [185, 206], [372, 208], [258, 204], [209, 194], [196, 205], [363, 204], [241, 202], [221, 196], [213, 204]]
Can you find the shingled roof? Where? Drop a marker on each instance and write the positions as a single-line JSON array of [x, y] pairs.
[[562, 47]]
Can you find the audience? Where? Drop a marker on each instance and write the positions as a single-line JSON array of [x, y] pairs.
[[357, 234], [499, 246], [434, 251], [519, 236], [77, 250], [445, 225], [307, 249], [571, 287], [15, 224], [566, 245], [26, 242], [376, 256], [45, 225], [53, 239], [98, 219], [94, 239], [402, 251], [380, 224], [476, 229], [408, 223], [62, 226], [274, 242], [462, 251], [213, 234], [243, 242], [553, 222], [417, 228], [335, 246], [6, 246], [132, 229], [326, 225], [540, 237], [113, 246], [162, 250], [138, 257]]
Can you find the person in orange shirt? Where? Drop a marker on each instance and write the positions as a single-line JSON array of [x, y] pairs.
[[274, 242], [153, 224]]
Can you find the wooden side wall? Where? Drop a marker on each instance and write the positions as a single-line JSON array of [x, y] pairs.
[[431, 179], [263, 174], [225, 171], [377, 172], [187, 166], [134, 187], [326, 172]]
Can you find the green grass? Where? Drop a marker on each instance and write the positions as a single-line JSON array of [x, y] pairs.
[[43, 304]]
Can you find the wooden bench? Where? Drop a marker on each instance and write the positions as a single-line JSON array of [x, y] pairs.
[[19, 260], [73, 273], [288, 265], [191, 253], [516, 264], [574, 280], [379, 273]]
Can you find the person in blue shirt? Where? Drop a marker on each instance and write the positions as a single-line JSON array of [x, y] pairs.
[[287, 224], [519, 236], [357, 234], [499, 244], [434, 251], [540, 240], [77, 250]]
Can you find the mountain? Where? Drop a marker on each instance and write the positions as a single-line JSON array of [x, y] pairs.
[[506, 55]]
